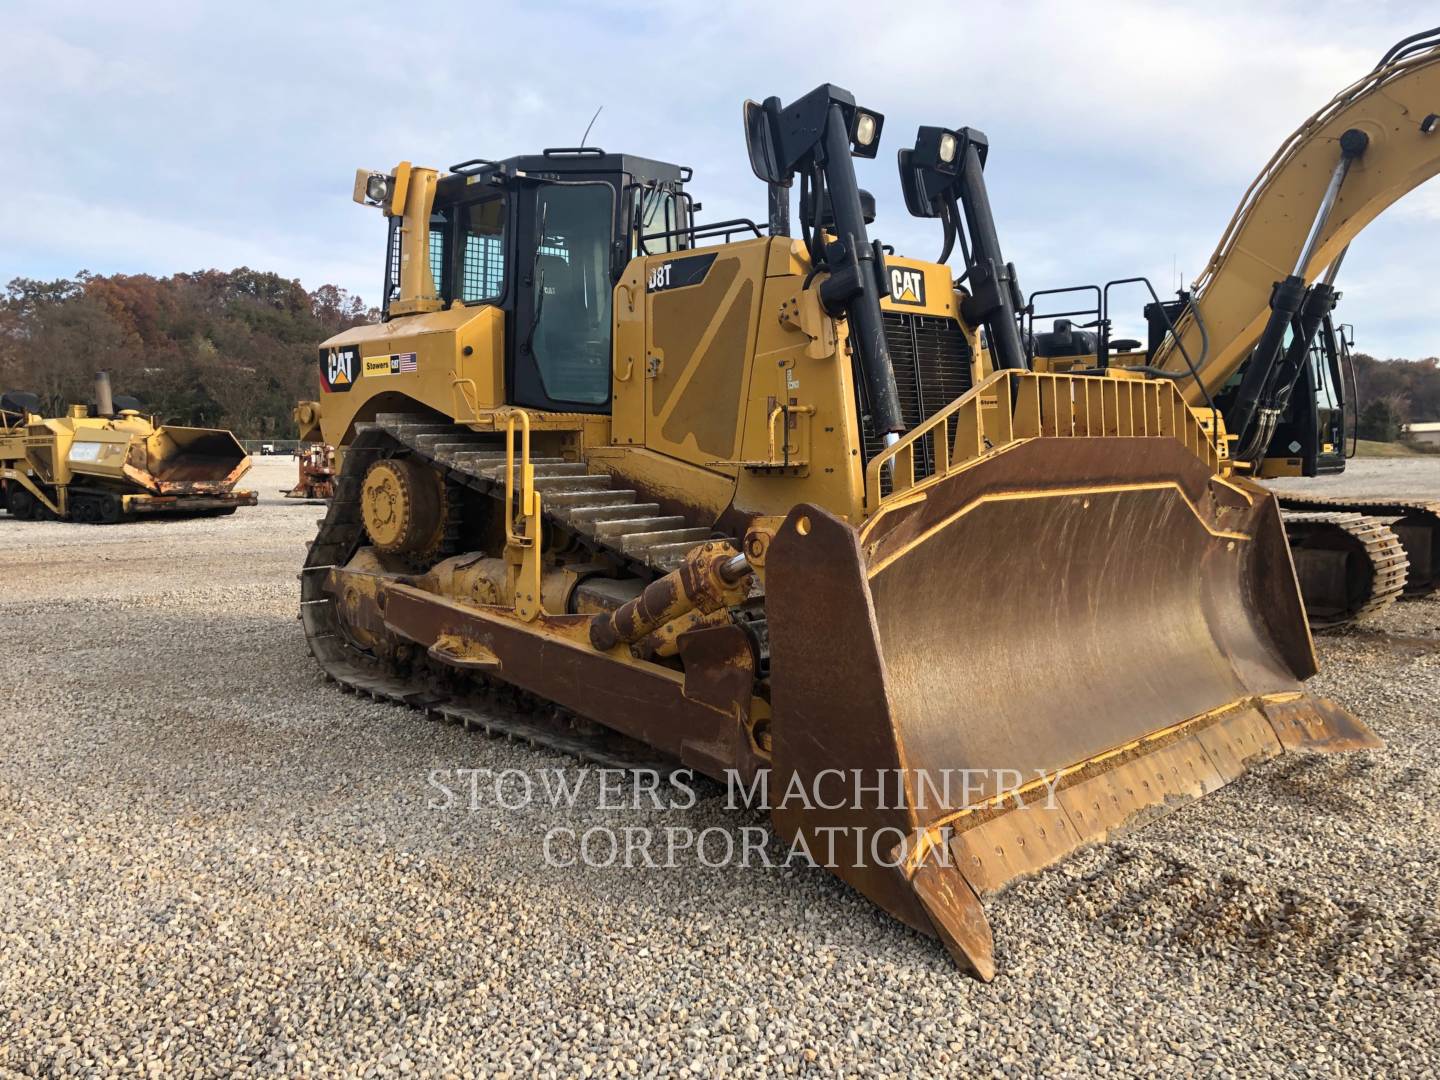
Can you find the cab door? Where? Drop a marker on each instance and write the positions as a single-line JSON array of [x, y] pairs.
[[560, 343]]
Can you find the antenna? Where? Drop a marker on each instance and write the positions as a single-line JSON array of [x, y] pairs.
[[590, 125]]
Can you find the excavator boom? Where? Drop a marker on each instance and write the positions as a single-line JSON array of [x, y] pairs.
[[1296, 220]]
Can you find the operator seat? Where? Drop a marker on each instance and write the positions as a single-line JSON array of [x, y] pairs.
[[1065, 340]]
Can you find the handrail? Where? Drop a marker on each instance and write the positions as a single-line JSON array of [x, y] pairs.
[[529, 497], [458, 395], [525, 544], [1012, 406], [786, 411], [726, 228]]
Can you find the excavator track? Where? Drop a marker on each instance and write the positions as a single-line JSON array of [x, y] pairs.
[[1337, 591], [590, 509], [1415, 522]]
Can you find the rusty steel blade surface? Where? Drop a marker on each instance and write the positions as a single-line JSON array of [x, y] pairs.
[[1029, 629], [1088, 631]]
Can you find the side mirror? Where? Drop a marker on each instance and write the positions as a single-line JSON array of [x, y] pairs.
[[912, 185], [761, 140]]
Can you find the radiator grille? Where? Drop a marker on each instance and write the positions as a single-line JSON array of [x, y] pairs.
[[932, 368]]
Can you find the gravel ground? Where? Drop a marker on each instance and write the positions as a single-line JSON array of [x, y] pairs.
[[1396, 478], [215, 862]]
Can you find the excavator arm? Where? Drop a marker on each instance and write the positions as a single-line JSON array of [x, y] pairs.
[[1314, 196]]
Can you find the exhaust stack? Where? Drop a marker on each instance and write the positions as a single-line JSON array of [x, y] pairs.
[[104, 399]]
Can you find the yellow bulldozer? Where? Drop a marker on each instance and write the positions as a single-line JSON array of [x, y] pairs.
[[793, 507], [107, 462]]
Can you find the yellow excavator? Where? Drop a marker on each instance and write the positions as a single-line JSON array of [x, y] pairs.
[[1255, 337], [794, 509]]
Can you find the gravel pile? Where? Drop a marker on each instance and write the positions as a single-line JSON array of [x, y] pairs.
[[216, 863]]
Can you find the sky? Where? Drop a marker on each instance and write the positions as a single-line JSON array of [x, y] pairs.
[[156, 138]]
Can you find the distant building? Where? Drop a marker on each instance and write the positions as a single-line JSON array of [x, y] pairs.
[[1427, 432]]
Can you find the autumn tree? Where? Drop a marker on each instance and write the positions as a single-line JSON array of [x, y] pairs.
[[231, 349], [1411, 386]]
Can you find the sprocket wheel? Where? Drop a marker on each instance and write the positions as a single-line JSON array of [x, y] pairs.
[[402, 505]]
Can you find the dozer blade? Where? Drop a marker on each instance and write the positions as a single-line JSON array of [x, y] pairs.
[[181, 460], [1064, 640]]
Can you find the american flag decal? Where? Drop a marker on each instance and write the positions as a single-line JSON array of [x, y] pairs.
[[407, 362]]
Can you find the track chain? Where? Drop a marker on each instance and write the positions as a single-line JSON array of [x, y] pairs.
[[482, 708], [1387, 558], [1418, 512]]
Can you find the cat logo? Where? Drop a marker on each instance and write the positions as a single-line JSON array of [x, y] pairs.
[[338, 368], [907, 286]]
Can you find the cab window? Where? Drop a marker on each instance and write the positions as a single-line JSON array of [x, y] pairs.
[[438, 230], [1320, 363], [482, 259], [654, 211]]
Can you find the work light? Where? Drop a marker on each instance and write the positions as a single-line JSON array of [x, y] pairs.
[[377, 188], [864, 129], [937, 148], [865, 133]]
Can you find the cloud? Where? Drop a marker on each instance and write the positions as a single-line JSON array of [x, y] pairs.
[[165, 138], [136, 239]]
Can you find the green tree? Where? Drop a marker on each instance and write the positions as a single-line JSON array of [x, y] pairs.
[[1380, 421]]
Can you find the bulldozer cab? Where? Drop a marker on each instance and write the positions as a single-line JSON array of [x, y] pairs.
[[545, 237]]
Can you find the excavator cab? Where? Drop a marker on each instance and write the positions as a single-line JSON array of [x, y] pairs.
[[1311, 439]]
